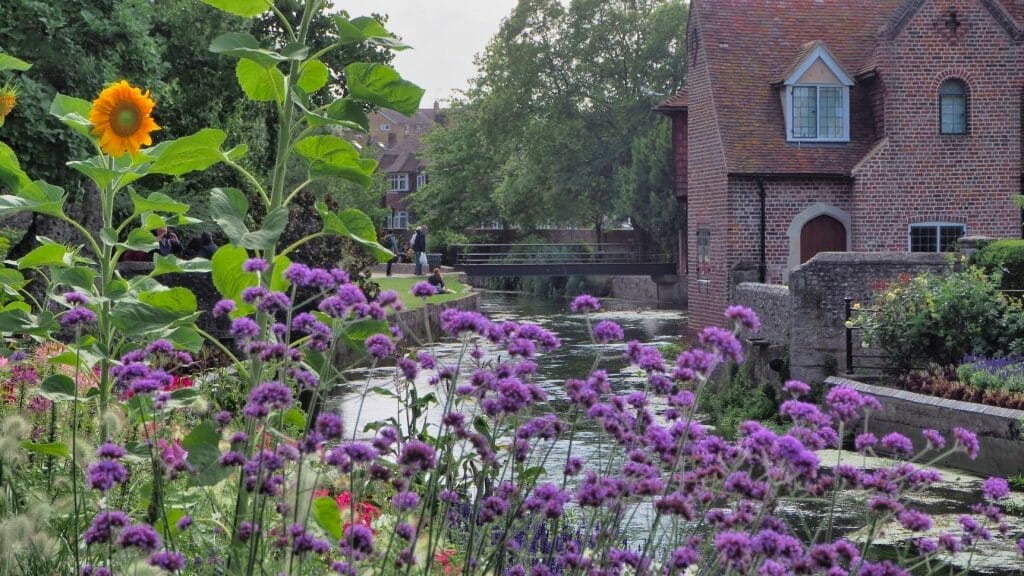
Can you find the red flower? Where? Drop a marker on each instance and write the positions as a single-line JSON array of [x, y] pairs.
[[177, 383]]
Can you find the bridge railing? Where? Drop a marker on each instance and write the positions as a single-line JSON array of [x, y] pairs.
[[511, 254]]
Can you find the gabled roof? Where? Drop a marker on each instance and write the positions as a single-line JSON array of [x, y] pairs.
[[401, 157], [1008, 13], [808, 55], [752, 44]]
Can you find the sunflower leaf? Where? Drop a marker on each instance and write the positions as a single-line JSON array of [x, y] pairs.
[[11, 174], [356, 226], [332, 156], [244, 8], [55, 255], [313, 76], [8, 62], [242, 45], [260, 84], [366, 29], [198, 151], [38, 197], [74, 112], [335, 116], [382, 85], [156, 202]]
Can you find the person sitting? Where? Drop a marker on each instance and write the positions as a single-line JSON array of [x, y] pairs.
[[167, 242], [437, 281]]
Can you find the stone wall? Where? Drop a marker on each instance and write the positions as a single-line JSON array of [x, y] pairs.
[[999, 430], [766, 350], [817, 335], [663, 290]]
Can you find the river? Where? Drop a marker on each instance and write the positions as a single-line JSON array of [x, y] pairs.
[[576, 358]]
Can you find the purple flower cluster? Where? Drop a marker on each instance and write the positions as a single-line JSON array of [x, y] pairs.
[[266, 397], [107, 472]]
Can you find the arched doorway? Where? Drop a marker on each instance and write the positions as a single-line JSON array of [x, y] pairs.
[[821, 234]]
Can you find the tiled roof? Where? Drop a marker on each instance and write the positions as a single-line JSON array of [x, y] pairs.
[[751, 44], [401, 157], [677, 101]]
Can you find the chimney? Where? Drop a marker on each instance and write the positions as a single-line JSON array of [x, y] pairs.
[[437, 109]]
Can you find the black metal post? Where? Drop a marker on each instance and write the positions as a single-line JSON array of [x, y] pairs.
[[849, 334]]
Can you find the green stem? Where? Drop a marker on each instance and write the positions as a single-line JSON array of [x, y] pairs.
[[252, 180], [300, 242]]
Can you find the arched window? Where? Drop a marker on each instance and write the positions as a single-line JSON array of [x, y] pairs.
[[953, 107]]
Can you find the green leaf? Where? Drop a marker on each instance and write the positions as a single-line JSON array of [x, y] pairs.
[[156, 202], [178, 300], [295, 51], [76, 277], [327, 516], [203, 447], [11, 174], [356, 226], [228, 277], [295, 418], [73, 112], [8, 62], [242, 45], [198, 151], [355, 334], [95, 170], [171, 264], [366, 29], [55, 255], [382, 85], [244, 8], [36, 196], [58, 449], [58, 388], [313, 76], [332, 156], [17, 320], [154, 313], [185, 338], [12, 280], [140, 240], [258, 83], [230, 207]]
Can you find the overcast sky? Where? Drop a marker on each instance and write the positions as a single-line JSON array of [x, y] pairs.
[[445, 35]]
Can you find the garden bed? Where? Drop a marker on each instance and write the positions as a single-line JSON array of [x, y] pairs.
[[1000, 430]]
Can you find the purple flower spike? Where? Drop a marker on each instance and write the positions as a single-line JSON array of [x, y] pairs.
[[607, 331], [898, 444], [140, 536], [77, 317], [584, 303], [76, 299], [934, 438], [995, 488], [169, 561], [255, 265], [223, 307], [379, 346], [967, 441], [796, 388], [266, 397], [423, 289]]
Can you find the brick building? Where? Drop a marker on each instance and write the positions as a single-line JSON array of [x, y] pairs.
[[398, 138], [836, 125]]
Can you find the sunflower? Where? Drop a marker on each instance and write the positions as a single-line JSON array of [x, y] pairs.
[[120, 117], [8, 98]]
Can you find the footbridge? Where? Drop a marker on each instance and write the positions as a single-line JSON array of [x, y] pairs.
[[560, 260]]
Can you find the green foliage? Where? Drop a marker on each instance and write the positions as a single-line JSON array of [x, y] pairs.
[[736, 398], [647, 191], [1003, 260], [941, 319], [513, 150]]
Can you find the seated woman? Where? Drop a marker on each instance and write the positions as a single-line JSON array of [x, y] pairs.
[[437, 281]]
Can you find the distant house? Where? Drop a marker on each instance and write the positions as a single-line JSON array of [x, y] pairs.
[[398, 137], [835, 125]]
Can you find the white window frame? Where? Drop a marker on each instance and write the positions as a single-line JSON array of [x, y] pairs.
[[937, 226], [421, 180], [399, 220], [398, 182], [385, 127], [793, 81]]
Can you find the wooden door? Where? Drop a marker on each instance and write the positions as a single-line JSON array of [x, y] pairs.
[[822, 234]]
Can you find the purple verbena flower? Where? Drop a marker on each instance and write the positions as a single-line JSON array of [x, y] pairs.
[[607, 331], [76, 298], [379, 346], [184, 522], [167, 560], [744, 316], [898, 444], [244, 328], [995, 488], [223, 307], [722, 340], [104, 474], [104, 525], [796, 388], [423, 289], [255, 265], [110, 450], [405, 500], [77, 317], [934, 438], [141, 536], [330, 425], [585, 302], [966, 441], [266, 397]]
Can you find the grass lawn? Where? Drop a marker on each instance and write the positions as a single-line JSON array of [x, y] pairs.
[[403, 285]]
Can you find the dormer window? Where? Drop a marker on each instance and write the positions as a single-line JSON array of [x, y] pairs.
[[816, 99]]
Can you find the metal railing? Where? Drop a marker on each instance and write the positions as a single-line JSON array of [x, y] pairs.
[[512, 254]]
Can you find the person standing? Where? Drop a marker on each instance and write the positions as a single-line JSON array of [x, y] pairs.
[[391, 243], [419, 248]]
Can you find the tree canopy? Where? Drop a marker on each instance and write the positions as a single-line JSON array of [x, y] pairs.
[[546, 133]]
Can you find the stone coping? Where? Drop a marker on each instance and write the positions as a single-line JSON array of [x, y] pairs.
[[959, 405]]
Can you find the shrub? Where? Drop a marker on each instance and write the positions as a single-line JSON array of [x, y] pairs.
[[737, 398], [1003, 259], [943, 382], [993, 373], [940, 319]]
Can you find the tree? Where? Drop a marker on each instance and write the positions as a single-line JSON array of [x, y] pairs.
[[562, 93], [646, 191]]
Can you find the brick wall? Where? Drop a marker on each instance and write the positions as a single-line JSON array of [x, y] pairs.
[[707, 189], [919, 175]]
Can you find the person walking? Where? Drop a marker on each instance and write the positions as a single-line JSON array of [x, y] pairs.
[[419, 248], [391, 243]]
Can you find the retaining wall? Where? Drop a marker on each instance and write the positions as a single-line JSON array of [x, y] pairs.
[[999, 430], [817, 339]]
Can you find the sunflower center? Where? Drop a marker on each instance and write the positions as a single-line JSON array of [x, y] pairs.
[[125, 119]]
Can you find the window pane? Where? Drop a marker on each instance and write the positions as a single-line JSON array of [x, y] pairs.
[[948, 236], [805, 112], [831, 100], [923, 238], [954, 113]]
